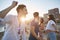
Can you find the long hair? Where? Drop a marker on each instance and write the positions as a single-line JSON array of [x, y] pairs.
[[51, 17], [42, 20]]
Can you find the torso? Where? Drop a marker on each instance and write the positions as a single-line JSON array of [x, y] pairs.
[[49, 25]]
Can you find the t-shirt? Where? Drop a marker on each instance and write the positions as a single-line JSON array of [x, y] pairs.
[[11, 32], [12, 25], [23, 28], [49, 25]]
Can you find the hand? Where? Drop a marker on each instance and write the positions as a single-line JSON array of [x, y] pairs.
[[14, 3], [39, 38]]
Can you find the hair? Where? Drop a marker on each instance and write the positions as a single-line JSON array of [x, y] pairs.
[[35, 14], [20, 7], [51, 17], [42, 20]]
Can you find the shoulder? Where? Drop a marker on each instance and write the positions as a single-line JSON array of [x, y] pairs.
[[33, 21], [10, 16], [52, 22]]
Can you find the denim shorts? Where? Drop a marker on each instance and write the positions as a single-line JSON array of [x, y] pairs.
[[52, 35]]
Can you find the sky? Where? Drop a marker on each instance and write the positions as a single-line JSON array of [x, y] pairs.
[[41, 6]]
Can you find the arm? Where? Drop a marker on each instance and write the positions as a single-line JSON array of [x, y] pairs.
[[33, 32], [54, 26], [4, 12], [56, 30]]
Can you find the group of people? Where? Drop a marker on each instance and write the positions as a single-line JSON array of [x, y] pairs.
[[18, 30]]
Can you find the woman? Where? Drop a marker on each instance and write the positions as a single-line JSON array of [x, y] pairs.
[[41, 29], [51, 27]]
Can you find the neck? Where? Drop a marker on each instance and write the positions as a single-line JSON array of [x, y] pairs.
[[21, 18]]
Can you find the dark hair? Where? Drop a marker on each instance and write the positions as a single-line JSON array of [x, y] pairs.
[[36, 14], [42, 20], [20, 7], [51, 17]]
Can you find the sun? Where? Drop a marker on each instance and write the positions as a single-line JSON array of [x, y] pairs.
[[27, 18], [23, 19]]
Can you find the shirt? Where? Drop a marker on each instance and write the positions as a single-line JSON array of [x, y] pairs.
[[49, 25], [11, 32]]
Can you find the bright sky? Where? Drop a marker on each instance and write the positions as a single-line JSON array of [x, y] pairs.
[[41, 6]]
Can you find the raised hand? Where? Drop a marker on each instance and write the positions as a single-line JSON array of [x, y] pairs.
[[4, 12], [14, 3]]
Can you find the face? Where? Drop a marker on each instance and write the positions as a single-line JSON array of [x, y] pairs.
[[23, 12], [41, 20], [37, 17]]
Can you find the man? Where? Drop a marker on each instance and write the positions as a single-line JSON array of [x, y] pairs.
[[14, 22], [22, 12], [34, 35], [3, 13]]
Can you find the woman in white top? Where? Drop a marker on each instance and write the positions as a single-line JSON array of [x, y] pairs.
[[51, 28]]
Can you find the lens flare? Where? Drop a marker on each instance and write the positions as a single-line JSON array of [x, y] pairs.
[[23, 19]]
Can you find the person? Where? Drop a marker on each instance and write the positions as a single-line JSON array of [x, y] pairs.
[[27, 29], [4, 12], [22, 12], [51, 28], [15, 26], [42, 23], [34, 27], [41, 28]]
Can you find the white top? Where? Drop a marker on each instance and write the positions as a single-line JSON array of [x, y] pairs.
[[11, 32], [49, 25], [23, 28], [12, 25]]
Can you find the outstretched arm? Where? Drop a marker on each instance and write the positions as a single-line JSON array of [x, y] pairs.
[[4, 12]]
